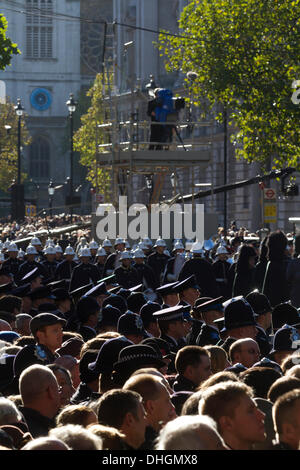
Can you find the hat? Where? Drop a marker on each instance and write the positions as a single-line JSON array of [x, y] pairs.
[[167, 289], [238, 313], [12, 247], [187, 283], [196, 248], [259, 302], [98, 289], [81, 290], [130, 324], [286, 338], [135, 356], [161, 345], [178, 245], [266, 362], [285, 313], [61, 284], [147, 311], [125, 255], [125, 293], [69, 250], [30, 250], [107, 242], [44, 319], [119, 240], [61, 294], [31, 276], [101, 252], [136, 288], [9, 336], [71, 347], [209, 304], [108, 355], [135, 301], [160, 242], [42, 292], [58, 249], [84, 252], [108, 279], [21, 291], [139, 254], [116, 301], [6, 288], [93, 245], [49, 308], [35, 241], [87, 375], [50, 250], [109, 316], [170, 313], [87, 306], [236, 368]]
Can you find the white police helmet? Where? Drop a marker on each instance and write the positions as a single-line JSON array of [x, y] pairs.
[[12, 247], [35, 241], [31, 250], [106, 242], [58, 249], [50, 250], [69, 250], [84, 252], [93, 245], [101, 252]]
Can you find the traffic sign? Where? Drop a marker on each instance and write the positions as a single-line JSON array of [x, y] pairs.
[[30, 210], [270, 212], [269, 194]]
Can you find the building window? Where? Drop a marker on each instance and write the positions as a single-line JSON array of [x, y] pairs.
[[39, 29], [39, 158]]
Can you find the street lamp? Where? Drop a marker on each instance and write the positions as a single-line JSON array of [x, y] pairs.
[[17, 194], [51, 191], [71, 104], [19, 112]]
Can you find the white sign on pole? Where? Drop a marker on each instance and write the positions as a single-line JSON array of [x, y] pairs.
[[2, 92]]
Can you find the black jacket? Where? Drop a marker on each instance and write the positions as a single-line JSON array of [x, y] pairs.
[[204, 274], [182, 384], [84, 274], [38, 424], [207, 336]]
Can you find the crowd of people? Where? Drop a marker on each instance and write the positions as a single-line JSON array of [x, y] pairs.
[[112, 346]]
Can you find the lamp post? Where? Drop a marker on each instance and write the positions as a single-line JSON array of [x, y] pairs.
[[18, 208], [51, 191], [71, 104], [19, 112]]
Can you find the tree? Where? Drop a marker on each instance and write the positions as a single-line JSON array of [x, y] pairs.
[[246, 55], [88, 136], [7, 47], [9, 144]]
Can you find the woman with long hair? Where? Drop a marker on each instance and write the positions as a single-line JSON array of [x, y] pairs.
[[244, 276]]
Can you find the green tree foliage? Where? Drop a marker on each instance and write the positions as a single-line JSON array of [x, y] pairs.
[[246, 55], [88, 137], [9, 144], [7, 47]]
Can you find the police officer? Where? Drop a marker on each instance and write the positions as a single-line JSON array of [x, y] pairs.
[[113, 260], [93, 246], [100, 261], [202, 270], [12, 262], [171, 323], [30, 264], [175, 263], [65, 268], [158, 260], [211, 310], [85, 272], [126, 275], [168, 294], [221, 269], [146, 274], [188, 291], [50, 264], [47, 330]]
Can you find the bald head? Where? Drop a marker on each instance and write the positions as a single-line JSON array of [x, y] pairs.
[[244, 351], [5, 326], [190, 433], [35, 381], [46, 443]]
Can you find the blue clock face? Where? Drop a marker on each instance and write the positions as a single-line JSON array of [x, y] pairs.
[[41, 99]]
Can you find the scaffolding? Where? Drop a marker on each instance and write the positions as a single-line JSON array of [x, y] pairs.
[[127, 135]]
